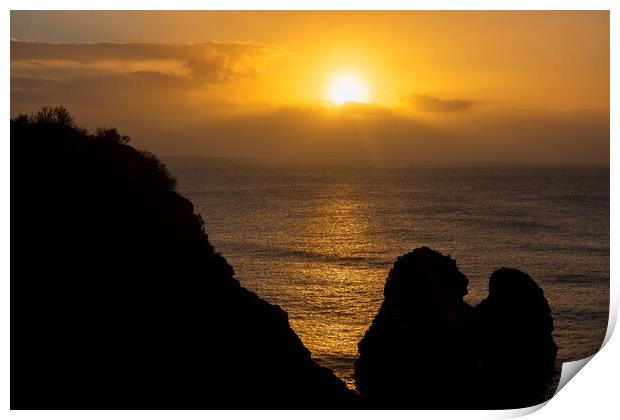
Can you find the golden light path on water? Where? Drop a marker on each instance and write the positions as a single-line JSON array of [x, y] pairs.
[[319, 239], [339, 229]]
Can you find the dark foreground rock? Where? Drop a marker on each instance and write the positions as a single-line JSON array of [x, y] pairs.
[[427, 348], [414, 353], [118, 300], [514, 348]]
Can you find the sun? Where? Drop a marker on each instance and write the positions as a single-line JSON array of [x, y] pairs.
[[346, 87]]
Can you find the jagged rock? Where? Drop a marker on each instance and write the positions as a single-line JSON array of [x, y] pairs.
[[514, 347], [426, 348], [118, 300], [413, 354]]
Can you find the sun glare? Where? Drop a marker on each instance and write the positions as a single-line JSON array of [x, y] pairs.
[[346, 87]]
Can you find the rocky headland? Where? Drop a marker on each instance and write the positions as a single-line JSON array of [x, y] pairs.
[[119, 301]]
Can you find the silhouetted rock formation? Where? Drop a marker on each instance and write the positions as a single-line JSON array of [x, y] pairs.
[[426, 348], [118, 300], [513, 342], [414, 353]]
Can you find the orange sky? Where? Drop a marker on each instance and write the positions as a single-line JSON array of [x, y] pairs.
[[458, 86]]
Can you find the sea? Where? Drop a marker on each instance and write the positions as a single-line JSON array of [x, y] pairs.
[[318, 238]]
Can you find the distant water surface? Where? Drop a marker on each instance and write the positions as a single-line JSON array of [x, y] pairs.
[[319, 239]]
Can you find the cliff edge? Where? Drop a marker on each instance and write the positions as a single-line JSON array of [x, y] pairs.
[[119, 301]]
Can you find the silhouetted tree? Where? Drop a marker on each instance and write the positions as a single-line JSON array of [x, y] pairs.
[[54, 115], [112, 135]]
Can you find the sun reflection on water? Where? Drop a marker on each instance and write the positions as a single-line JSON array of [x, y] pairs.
[[338, 230], [320, 239]]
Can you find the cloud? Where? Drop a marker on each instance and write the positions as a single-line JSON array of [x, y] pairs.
[[205, 61], [533, 136], [129, 77], [308, 132], [365, 109], [121, 91], [428, 103], [181, 112], [172, 126]]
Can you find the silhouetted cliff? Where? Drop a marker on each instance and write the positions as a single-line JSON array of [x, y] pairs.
[[118, 300], [427, 348]]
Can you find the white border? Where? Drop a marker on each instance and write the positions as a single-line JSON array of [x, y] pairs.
[[593, 393]]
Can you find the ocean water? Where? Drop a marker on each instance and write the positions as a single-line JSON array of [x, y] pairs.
[[319, 238]]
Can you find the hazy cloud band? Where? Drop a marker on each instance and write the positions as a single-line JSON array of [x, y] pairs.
[[210, 61], [428, 103]]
